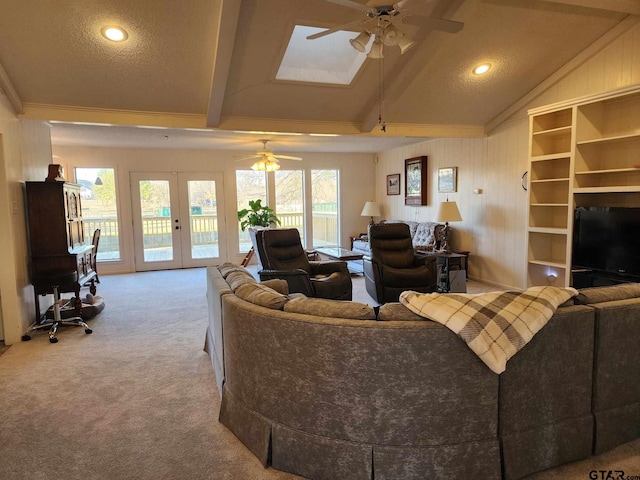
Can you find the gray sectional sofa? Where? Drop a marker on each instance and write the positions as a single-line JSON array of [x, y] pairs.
[[332, 389]]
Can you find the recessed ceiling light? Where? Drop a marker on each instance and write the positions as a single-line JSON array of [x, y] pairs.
[[483, 68], [115, 34]]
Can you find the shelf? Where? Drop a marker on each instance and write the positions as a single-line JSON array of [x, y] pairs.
[[613, 139], [546, 180], [551, 156], [618, 189], [546, 263], [551, 230], [549, 205], [610, 170], [554, 131]]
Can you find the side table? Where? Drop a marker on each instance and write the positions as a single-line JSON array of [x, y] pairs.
[[447, 260]]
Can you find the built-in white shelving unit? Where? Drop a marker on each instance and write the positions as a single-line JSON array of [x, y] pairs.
[[581, 153]]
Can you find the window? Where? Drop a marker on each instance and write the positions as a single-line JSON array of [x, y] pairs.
[[99, 209], [324, 207], [250, 185], [290, 199], [329, 59]]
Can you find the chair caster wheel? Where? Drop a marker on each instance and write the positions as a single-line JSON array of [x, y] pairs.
[[88, 330], [26, 338], [53, 340]]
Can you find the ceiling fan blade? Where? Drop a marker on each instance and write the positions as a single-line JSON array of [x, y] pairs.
[[250, 157], [449, 26], [345, 26], [350, 4], [287, 157]]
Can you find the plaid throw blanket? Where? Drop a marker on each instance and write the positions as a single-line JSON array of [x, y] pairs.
[[494, 325]]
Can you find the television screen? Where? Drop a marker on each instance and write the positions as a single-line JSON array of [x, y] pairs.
[[607, 239]]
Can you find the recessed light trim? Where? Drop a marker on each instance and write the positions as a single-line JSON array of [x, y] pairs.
[[482, 69], [114, 33]]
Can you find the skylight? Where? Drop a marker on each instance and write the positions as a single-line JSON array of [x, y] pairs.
[[328, 59]]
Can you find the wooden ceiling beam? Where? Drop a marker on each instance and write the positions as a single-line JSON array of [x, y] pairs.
[[229, 15], [624, 6]]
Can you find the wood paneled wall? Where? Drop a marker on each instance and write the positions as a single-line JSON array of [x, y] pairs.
[[493, 226]]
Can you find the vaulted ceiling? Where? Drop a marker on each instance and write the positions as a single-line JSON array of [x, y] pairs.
[[211, 64]]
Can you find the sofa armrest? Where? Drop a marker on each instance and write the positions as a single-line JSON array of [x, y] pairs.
[[327, 268]]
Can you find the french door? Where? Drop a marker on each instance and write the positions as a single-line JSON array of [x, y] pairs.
[[176, 219]]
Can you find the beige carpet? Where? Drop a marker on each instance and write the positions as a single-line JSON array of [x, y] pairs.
[[137, 398]]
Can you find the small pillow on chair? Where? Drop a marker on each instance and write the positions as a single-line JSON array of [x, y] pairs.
[[260, 294]]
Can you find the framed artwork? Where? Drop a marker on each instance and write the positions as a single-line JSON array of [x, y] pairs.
[[448, 180], [393, 184], [415, 181]]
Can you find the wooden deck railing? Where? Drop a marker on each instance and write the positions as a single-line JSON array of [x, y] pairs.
[[204, 230]]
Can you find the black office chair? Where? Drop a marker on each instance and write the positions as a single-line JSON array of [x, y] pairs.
[[50, 283], [393, 267], [281, 254]]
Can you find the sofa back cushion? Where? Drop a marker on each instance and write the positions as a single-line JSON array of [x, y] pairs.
[[425, 237], [588, 296], [330, 308], [238, 278], [260, 294]]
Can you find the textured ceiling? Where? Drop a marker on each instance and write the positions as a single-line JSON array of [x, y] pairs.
[[212, 64]]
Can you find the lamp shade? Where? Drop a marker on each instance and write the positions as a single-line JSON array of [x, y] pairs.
[[371, 209], [448, 212]]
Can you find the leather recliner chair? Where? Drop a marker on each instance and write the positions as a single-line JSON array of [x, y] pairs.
[[282, 256], [393, 266]]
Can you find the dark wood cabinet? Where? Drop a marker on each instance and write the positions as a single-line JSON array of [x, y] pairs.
[[56, 236]]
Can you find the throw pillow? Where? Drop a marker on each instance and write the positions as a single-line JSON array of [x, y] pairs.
[[235, 279], [279, 285], [260, 294], [227, 268], [331, 308]]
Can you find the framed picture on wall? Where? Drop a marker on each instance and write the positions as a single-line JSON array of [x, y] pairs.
[[393, 184], [415, 181], [448, 180]]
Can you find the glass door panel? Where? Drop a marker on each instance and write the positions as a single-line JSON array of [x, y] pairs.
[[156, 221], [176, 220], [201, 203]]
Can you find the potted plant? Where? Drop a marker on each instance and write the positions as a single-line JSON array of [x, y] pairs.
[[257, 215]]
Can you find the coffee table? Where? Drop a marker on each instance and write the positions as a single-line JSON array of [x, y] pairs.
[[353, 259]]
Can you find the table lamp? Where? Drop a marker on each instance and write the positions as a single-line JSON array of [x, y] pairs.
[[448, 212], [371, 209]]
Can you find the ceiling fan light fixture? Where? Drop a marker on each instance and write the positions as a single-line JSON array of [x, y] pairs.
[[482, 69], [405, 44], [361, 41], [376, 50], [392, 36], [265, 165]]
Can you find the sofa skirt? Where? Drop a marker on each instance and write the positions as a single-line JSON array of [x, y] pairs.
[[322, 458]]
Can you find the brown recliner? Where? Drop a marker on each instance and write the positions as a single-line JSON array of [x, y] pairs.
[[282, 256], [393, 266]]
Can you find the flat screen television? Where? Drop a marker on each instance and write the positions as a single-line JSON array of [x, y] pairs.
[[607, 240]]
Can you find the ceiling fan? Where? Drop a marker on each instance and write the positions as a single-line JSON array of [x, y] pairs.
[[267, 161], [385, 22]]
